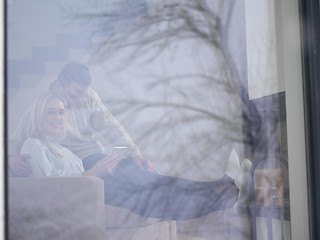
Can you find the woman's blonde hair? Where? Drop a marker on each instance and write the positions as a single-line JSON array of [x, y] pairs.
[[33, 128]]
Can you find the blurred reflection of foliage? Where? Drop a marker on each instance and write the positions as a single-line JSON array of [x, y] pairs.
[[194, 117]]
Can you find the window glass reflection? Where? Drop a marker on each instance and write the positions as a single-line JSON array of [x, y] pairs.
[[145, 113]]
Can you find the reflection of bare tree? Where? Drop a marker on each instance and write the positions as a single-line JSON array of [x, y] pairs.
[[199, 113]]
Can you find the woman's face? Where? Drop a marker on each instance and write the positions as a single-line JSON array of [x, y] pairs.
[[53, 117]]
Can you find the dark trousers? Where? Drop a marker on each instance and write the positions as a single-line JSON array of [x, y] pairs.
[[154, 195]]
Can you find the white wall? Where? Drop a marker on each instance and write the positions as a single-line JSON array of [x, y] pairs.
[[264, 69]]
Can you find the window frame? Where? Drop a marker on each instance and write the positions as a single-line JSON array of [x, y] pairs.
[[310, 47]]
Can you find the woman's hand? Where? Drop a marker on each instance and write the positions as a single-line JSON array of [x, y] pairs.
[[104, 167]]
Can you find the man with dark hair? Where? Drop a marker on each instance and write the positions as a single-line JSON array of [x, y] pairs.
[[74, 72]]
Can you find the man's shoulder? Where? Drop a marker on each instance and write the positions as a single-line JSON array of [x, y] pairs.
[[92, 94], [92, 91]]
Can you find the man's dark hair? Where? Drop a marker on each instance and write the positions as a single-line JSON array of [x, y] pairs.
[[74, 72]]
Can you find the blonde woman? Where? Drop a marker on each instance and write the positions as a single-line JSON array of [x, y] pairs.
[[46, 126]]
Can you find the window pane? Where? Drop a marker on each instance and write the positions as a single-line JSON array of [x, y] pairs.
[[184, 88]]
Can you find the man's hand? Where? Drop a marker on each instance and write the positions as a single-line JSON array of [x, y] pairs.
[[144, 163], [18, 167], [104, 167]]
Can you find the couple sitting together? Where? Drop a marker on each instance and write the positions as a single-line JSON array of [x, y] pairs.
[[57, 137]]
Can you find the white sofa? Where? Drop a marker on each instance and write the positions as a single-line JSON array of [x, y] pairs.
[[58, 208]]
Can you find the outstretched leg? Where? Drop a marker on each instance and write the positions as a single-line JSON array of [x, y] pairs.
[[153, 195]]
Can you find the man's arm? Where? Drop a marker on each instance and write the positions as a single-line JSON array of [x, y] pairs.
[[16, 162], [18, 167], [103, 122]]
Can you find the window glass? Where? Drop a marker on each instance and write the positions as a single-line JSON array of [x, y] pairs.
[[178, 110]]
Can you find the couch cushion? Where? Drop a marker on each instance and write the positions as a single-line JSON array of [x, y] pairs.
[[117, 217], [163, 230], [56, 208]]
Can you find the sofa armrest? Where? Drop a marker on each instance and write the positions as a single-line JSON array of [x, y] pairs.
[[56, 208]]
